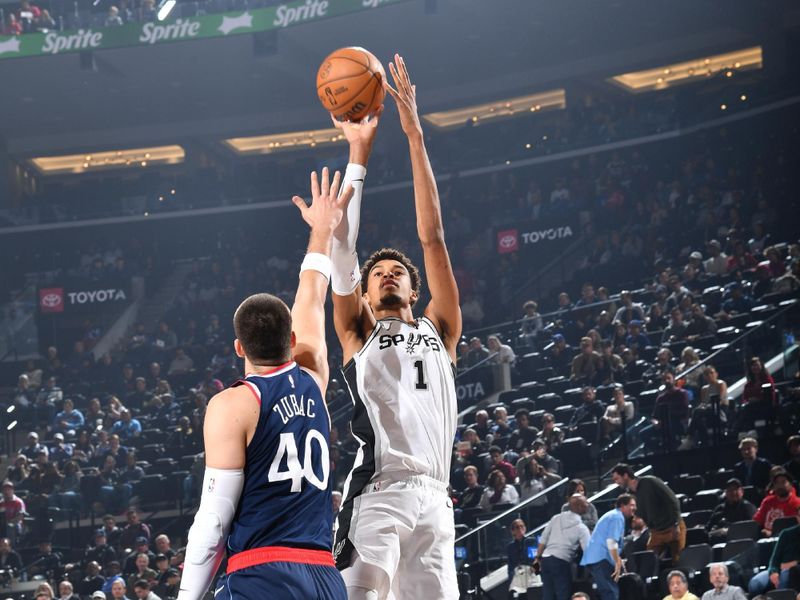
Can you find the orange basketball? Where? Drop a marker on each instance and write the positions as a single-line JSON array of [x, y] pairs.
[[350, 83]]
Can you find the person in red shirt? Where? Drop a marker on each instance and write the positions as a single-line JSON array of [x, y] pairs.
[[14, 509], [13, 26], [782, 502]]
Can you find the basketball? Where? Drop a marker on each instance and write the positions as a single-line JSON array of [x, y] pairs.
[[350, 83]]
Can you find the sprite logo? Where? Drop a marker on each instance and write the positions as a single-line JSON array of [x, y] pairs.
[[180, 29], [80, 40], [312, 9]]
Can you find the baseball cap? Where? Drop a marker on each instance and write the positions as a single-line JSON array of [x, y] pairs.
[[635, 323], [172, 571], [99, 594], [558, 338], [59, 437], [715, 243], [99, 533], [141, 540], [696, 255], [733, 482], [161, 556]]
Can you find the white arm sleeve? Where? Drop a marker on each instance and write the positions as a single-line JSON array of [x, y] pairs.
[[345, 274], [220, 497], [611, 544]]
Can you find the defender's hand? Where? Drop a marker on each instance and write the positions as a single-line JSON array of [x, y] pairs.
[[405, 96], [362, 132], [327, 207]]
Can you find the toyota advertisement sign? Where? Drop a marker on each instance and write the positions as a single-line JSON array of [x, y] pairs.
[[542, 234], [83, 297], [51, 300]]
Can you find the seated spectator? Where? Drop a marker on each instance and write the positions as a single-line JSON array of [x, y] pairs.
[[670, 416], [478, 353], [637, 340], [711, 411], [133, 532], [718, 576], [792, 466], [10, 560], [132, 471], [497, 492], [591, 409], [13, 509], [589, 516], [518, 551], [181, 364], [531, 323], [781, 502], [752, 469], [113, 448], [127, 427], [629, 310], [113, 411], [716, 265], [482, 426], [66, 591], [656, 319], [540, 455], [692, 381], [34, 447], [69, 420], [143, 570], [677, 293], [737, 302], [113, 19], [759, 398], [100, 552], [524, 435], [45, 22], [612, 420], [533, 478], [61, 452], [164, 545], [784, 560], [677, 329], [497, 462], [678, 587], [587, 364], [92, 582], [732, 509], [741, 259], [18, 472], [559, 356], [12, 25], [612, 367], [550, 434], [501, 427], [473, 492], [169, 588], [500, 353], [46, 562], [141, 588], [637, 540], [140, 396]]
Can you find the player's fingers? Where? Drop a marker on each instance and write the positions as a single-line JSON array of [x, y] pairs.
[[345, 196], [398, 83], [334, 192], [326, 183], [300, 204], [314, 186], [404, 71], [392, 92], [336, 122]]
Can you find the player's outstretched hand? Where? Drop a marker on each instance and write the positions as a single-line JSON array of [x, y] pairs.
[[405, 95], [327, 206], [361, 132]]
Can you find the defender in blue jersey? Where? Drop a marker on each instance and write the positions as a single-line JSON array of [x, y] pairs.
[[266, 496]]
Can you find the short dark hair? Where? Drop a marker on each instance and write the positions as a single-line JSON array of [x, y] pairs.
[[522, 412], [623, 500], [263, 325], [496, 449], [142, 583], [393, 254], [622, 469]]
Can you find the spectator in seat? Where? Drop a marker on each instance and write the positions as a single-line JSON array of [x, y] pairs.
[[705, 415], [692, 381], [678, 587], [601, 556], [477, 352], [558, 548], [66, 591], [533, 478], [34, 447], [127, 427], [169, 589], [659, 508], [540, 455], [134, 531], [637, 540], [497, 492], [587, 364], [111, 530], [143, 570], [500, 353], [718, 576], [677, 293], [181, 364], [752, 469], [482, 426], [518, 547], [577, 487], [732, 509], [115, 449], [781, 502], [656, 319], [13, 508], [629, 310], [69, 420], [497, 462], [784, 560], [501, 427], [10, 560], [147, 12], [741, 259], [716, 265], [473, 492], [670, 416], [677, 329], [140, 396], [92, 582], [700, 325], [100, 552], [737, 303], [113, 20], [637, 340], [612, 367], [132, 471], [45, 22], [12, 25], [792, 466], [632, 369], [531, 323], [759, 398], [591, 409], [559, 356], [46, 562], [523, 436], [142, 590], [612, 420], [550, 434], [61, 452]]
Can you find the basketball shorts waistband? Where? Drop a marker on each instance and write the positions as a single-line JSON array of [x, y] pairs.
[[268, 554], [412, 480]]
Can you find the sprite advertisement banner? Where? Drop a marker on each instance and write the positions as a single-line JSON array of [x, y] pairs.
[[181, 29]]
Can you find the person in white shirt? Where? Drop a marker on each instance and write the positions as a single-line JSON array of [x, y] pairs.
[[497, 492], [501, 353]]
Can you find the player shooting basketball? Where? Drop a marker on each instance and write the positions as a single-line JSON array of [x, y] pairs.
[[396, 524]]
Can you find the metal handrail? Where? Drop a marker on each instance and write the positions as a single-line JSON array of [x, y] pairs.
[[516, 508]]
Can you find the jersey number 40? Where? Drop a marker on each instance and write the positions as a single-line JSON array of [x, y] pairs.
[[296, 472]]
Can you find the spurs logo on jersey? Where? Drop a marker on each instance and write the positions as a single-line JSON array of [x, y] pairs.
[[411, 341]]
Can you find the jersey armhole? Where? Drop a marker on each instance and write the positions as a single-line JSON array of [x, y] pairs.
[[441, 340], [250, 386]]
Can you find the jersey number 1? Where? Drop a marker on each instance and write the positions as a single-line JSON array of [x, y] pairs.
[[420, 367], [294, 472]]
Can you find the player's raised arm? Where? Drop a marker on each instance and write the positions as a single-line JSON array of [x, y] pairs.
[[349, 309], [444, 309], [308, 312]]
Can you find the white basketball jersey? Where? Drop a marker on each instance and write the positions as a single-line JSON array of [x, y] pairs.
[[405, 406]]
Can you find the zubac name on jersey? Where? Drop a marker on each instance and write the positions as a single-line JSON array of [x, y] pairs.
[[289, 406]]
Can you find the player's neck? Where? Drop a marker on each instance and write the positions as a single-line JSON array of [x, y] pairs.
[[403, 313], [251, 369]]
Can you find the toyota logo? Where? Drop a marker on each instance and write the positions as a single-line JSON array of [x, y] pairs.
[[508, 241], [51, 300]]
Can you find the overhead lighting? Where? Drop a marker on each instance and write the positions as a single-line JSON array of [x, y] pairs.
[[491, 111], [111, 159], [659, 78], [165, 8], [279, 142]]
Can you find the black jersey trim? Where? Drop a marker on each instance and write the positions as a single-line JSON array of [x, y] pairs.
[[361, 474]]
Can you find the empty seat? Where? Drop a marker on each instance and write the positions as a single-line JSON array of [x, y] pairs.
[[694, 558], [563, 414], [696, 535], [508, 396], [645, 563], [575, 455], [781, 594], [687, 484], [697, 518], [705, 499], [741, 530], [743, 552], [779, 525], [548, 402]]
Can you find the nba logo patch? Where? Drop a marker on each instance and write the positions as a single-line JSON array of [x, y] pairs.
[[291, 381]]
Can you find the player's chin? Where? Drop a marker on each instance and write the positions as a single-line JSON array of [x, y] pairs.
[[391, 300]]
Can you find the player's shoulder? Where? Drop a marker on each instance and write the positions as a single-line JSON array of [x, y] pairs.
[[235, 398]]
